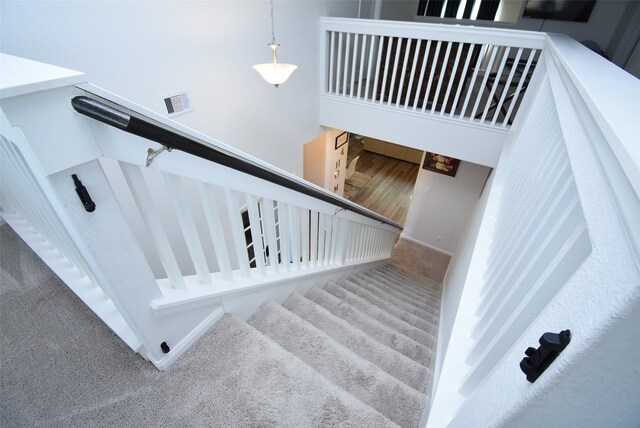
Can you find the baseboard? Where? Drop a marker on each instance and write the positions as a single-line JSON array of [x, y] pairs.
[[177, 351], [423, 244]]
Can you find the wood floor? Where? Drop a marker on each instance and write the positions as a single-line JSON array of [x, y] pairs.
[[389, 191]]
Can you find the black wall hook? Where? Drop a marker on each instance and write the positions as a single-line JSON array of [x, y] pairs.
[[538, 360], [83, 194]]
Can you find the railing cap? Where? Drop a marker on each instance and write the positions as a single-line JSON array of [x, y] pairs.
[[22, 76]]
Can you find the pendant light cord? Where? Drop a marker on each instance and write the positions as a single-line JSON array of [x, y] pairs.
[[273, 28]]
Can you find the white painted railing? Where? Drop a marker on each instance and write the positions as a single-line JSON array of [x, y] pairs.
[[177, 237], [461, 73], [544, 246]]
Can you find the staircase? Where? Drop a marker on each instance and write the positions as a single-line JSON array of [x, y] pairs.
[[355, 352], [368, 338]]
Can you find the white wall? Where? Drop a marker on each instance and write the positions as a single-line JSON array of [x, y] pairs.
[[442, 205], [145, 50], [315, 152]]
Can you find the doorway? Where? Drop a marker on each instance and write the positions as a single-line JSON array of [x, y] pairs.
[[384, 176]]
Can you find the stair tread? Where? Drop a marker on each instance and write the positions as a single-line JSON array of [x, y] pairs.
[[420, 336], [402, 285], [395, 400], [412, 276], [384, 291], [425, 302], [426, 322], [423, 286], [371, 326], [394, 363]]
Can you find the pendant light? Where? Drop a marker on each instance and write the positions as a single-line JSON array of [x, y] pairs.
[[274, 72]]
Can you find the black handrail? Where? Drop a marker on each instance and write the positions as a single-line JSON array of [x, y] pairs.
[[127, 120]]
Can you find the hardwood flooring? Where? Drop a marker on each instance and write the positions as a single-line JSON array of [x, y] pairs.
[[389, 191]]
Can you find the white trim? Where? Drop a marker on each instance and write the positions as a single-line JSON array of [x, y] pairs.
[[189, 339], [424, 244], [178, 301]]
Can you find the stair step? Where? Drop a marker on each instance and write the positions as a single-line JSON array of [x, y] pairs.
[[420, 308], [424, 322], [387, 336], [427, 303], [402, 286], [395, 400], [422, 287], [394, 363], [262, 381], [412, 278], [381, 315]]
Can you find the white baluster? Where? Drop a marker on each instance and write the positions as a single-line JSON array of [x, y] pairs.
[[188, 227], [155, 229], [237, 231], [256, 233], [214, 224]]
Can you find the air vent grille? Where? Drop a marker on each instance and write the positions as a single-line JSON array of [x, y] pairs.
[[177, 104]]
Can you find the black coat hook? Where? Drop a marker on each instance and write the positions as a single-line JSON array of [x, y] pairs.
[[83, 194], [538, 360]]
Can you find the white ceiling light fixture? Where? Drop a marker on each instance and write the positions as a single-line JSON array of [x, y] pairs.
[[274, 72]]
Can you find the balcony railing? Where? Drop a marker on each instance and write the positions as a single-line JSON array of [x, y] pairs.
[[460, 73]]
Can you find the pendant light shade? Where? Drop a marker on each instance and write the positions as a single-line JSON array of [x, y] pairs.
[[273, 72]]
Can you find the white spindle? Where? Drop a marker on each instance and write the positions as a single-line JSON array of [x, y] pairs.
[[270, 233], [521, 82], [431, 74], [377, 75], [285, 234], [404, 71], [339, 66], [494, 52], [423, 70], [363, 50], [412, 74], [353, 64], [496, 82], [314, 238], [462, 78], [345, 73], [453, 77], [386, 69], [394, 72], [305, 234], [331, 61], [473, 79], [256, 233], [295, 236], [212, 217], [155, 229], [370, 66], [188, 227], [443, 75], [329, 242], [237, 231], [321, 237], [507, 85]]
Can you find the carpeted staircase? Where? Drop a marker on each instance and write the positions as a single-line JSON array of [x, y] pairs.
[[354, 353], [370, 334]]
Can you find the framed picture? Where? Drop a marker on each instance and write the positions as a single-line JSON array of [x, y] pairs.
[[342, 139], [442, 164]]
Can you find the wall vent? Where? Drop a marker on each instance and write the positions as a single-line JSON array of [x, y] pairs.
[[177, 104]]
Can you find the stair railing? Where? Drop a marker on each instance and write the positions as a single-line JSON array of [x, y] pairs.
[[242, 223]]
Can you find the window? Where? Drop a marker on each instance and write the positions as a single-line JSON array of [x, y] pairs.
[[459, 9]]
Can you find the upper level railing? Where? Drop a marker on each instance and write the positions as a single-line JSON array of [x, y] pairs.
[[461, 73]]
